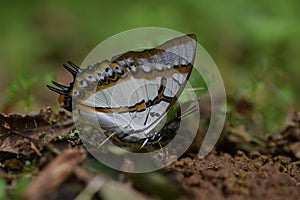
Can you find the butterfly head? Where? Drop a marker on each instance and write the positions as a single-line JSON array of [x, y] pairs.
[[65, 92]]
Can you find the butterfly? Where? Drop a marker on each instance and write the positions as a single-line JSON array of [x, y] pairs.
[[131, 94]]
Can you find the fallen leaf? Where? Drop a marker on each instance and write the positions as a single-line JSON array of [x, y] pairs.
[[19, 133]]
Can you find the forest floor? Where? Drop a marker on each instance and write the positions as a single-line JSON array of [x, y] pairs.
[[42, 158]]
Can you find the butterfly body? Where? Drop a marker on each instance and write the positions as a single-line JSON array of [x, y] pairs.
[[131, 94]]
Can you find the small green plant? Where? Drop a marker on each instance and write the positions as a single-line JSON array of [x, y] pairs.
[[2, 188], [20, 186], [19, 91], [269, 103]]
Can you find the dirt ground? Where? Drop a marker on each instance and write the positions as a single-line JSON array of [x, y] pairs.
[[41, 159]]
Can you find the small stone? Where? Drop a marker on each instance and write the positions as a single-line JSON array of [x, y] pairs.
[[255, 154]]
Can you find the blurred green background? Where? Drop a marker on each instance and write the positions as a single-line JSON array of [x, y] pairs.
[[255, 44]]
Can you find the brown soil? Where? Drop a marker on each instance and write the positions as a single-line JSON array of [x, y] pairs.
[[240, 177]]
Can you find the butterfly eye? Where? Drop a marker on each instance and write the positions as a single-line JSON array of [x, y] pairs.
[[67, 103]]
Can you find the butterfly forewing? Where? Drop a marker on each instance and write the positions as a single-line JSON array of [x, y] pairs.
[[135, 90]]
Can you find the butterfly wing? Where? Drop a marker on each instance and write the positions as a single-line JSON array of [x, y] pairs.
[[133, 104], [131, 94]]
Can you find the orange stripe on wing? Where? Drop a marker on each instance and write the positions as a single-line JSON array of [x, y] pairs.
[[138, 107]]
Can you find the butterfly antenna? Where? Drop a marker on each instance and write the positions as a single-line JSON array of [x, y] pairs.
[[188, 112], [110, 136], [144, 143], [195, 89]]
